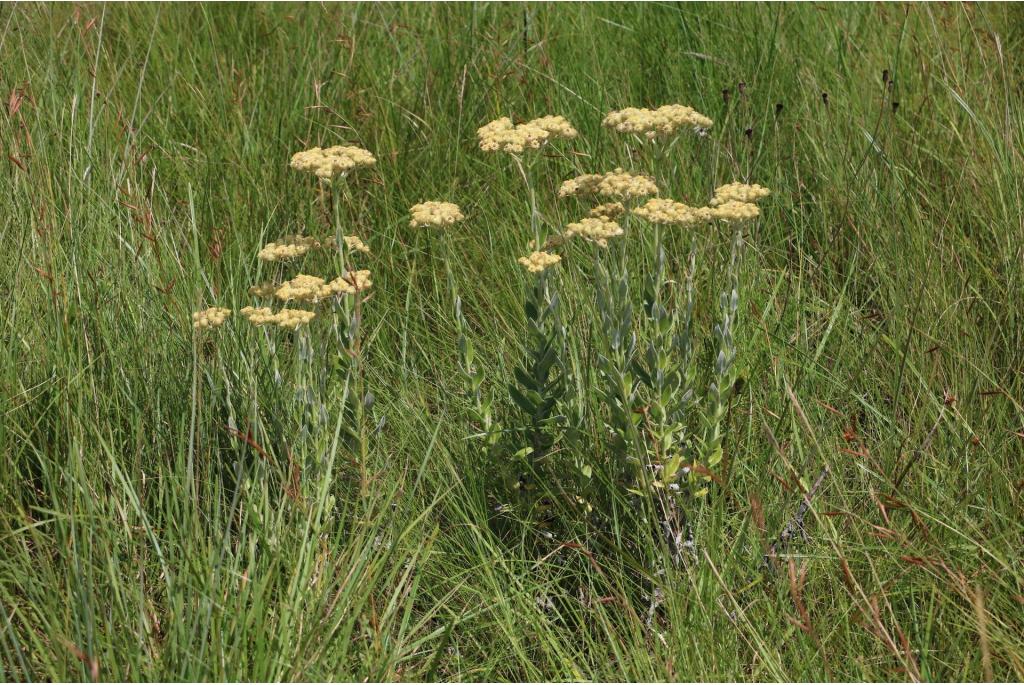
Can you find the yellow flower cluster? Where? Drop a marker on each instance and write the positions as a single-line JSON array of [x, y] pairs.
[[738, 192], [539, 261], [288, 247], [556, 126], [595, 229], [210, 318], [664, 211], [355, 243], [618, 184], [656, 123], [734, 212], [305, 288], [358, 281], [313, 289], [501, 135], [437, 214], [610, 210], [326, 164], [286, 318]]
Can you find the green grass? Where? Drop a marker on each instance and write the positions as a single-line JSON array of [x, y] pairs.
[[145, 163]]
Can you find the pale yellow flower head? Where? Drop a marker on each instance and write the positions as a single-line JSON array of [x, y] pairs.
[[595, 229], [258, 316], [360, 280], [210, 318], [665, 211], [618, 184], [609, 210], [662, 122], [293, 318], [355, 243], [556, 126], [304, 288], [501, 135], [738, 192], [351, 283], [735, 212], [435, 214], [539, 261], [288, 247], [286, 318], [330, 163]]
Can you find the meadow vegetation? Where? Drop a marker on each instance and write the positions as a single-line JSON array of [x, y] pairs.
[[380, 341]]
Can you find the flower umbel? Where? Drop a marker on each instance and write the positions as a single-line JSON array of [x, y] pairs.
[[596, 230], [288, 247], [286, 318], [210, 318], [665, 211], [739, 192], [539, 261], [619, 184], [436, 214], [662, 122], [735, 212], [327, 164], [501, 135], [356, 244], [609, 210]]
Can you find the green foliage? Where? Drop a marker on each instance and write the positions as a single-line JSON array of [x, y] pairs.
[[156, 518]]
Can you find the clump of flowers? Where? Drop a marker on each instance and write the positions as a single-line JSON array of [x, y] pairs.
[[287, 248], [358, 280], [435, 214], [286, 318], [665, 211], [735, 212], [305, 288], [210, 318], [609, 210], [738, 192], [618, 184], [293, 318], [662, 122], [356, 244], [501, 135], [327, 164], [539, 261], [556, 126], [594, 229]]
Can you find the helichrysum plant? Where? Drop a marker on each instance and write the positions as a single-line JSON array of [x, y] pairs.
[[320, 318], [644, 389]]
